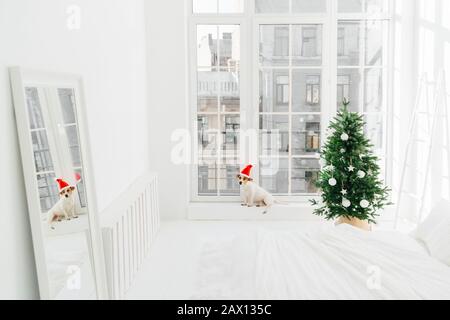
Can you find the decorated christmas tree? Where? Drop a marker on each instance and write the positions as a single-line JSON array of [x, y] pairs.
[[349, 179]]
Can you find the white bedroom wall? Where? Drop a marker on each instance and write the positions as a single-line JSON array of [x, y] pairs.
[[166, 27], [109, 52]]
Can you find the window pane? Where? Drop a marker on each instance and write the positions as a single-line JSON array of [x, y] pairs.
[[213, 86], [231, 6], [304, 175], [207, 55], [348, 45], [306, 90], [48, 191], [376, 6], [229, 91], [34, 108], [74, 145], [348, 87], [272, 6], [208, 129], [305, 134], [274, 45], [228, 184], [225, 6], [350, 5], [205, 6], [373, 90], [376, 36], [67, 100], [308, 6], [274, 175], [307, 45], [228, 46], [367, 6], [208, 91], [41, 149], [207, 182], [274, 91], [218, 105], [230, 135], [374, 130], [274, 135]]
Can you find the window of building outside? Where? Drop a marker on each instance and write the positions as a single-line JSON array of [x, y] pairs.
[[294, 86]]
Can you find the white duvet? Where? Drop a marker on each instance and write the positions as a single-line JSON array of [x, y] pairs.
[[327, 263]]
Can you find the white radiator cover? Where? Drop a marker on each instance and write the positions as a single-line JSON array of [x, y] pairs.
[[129, 227]]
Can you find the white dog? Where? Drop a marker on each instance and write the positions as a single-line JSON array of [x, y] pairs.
[[254, 194], [64, 208]]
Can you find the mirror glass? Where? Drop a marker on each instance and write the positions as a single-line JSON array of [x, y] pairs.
[[49, 125]]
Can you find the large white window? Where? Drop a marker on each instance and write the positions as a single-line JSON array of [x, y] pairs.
[[281, 68]]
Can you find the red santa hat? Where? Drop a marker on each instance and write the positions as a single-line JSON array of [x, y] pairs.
[[62, 184], [246, 171]]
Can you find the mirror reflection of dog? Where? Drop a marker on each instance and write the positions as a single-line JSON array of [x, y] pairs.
[[65, 207], [254, 195]]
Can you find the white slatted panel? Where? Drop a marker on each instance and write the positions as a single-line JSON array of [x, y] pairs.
[[129, 227]]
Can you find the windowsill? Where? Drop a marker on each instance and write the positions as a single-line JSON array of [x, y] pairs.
[[233, 211]]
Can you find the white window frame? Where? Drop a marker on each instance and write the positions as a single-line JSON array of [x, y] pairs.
[[249, 22]]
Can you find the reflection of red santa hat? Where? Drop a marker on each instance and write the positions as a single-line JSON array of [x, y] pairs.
[[62, 184], [77, 177], [246, 171]]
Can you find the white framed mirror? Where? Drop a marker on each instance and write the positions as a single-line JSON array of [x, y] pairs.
[[53, 134]]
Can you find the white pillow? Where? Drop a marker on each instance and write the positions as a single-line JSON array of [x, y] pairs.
[[438, 214], [435, 232]]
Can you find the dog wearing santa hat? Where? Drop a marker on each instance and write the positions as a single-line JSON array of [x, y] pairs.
[[65, 207], [252, 193]]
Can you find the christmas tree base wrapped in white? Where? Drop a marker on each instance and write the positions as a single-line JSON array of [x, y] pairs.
[[355, 222]]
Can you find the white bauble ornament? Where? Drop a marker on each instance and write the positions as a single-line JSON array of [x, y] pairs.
[[361, 174], [332, 182], [344, 137], [364, 204], [342, 150], [346, 203]]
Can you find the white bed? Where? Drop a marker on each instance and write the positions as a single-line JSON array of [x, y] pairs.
[[326, 262]]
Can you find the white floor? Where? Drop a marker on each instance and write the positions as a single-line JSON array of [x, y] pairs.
[[169, 271]]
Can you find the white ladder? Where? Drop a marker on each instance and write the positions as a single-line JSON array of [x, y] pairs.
[[439, 92]]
